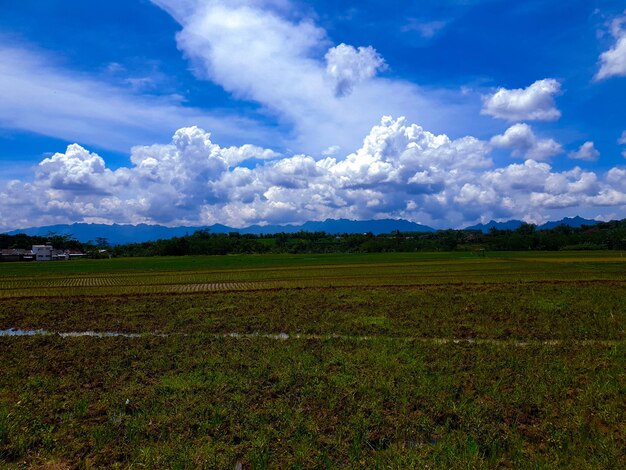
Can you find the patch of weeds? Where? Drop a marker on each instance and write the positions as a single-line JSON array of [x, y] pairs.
[[80, 408], [4, 425]]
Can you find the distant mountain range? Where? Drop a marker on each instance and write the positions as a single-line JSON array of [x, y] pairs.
[[514, 224], [508, 225], [575, 222], [121, 234]]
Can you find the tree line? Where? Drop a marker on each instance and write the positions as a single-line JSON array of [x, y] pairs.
[[602, 236]]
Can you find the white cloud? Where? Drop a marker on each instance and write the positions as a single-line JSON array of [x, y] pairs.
[[535, 102], [236, 155], [76, 170], [41, 97], [617, 178], [347, 66], [622, 139], [587, 151], [613, 61], [268, 53], [523, 142], [400, 171]]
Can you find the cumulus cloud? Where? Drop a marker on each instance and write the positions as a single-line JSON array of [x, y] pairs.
[[535, 102], [77, 169], [347, 66], [523, 142], [587, 151], [613, 61], [400, 170]]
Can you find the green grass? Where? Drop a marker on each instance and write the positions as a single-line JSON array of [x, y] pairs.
[[256, 272], [203, 263], [497, 311], [374, 381], [311, 403]]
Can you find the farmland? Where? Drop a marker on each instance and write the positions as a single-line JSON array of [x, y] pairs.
[[444, 360]]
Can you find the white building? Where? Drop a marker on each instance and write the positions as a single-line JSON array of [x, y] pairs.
[[42, 252]]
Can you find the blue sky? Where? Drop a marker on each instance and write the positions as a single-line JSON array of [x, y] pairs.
[[512, 110]]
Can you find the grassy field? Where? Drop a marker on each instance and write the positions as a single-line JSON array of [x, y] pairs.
[[262, 272], [444, 360]]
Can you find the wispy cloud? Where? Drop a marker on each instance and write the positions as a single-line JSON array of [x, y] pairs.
[[613, 61], [40, 96], [426, 29]]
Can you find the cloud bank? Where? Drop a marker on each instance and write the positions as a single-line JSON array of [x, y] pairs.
[[400, 170]]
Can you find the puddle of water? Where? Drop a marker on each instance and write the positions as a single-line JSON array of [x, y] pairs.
[[113, 334], [96, 334], [284, 336], [18, 332], [70, 334]]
